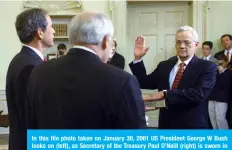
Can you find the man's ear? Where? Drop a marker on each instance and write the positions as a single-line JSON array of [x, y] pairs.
[[40, 33], [105, 42], [197, 44]]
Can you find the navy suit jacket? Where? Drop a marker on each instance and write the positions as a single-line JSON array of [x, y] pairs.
[[187, 106], [17, 78], [79, 91], [117, 60]]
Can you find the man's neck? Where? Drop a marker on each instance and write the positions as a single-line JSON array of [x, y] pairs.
[[36, 46], [228, 49], [206, 56]]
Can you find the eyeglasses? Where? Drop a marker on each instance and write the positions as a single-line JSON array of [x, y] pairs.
[[185, 42]]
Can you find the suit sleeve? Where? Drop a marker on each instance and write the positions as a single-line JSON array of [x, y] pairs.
[[21, 88], [130, 112], [145, 81], [198, 93]]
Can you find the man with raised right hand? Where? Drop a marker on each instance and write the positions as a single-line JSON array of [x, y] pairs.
[[184, 82]]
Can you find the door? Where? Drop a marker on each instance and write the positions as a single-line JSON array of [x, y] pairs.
[[157, 22]]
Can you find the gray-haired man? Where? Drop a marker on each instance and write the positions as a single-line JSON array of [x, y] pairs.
[[79, 90]]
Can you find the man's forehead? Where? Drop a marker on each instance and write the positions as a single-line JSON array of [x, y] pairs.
[[185, 35]]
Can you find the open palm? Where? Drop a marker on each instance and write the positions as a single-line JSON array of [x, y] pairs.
[[139, 49]]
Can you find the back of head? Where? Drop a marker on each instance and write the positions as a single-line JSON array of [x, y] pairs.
[[90, 28], [94, 31], [28, 22]]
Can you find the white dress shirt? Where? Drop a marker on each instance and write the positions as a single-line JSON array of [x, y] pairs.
[[36, 51], [85, 48], [207, 58], [225, 53], [174, 71]]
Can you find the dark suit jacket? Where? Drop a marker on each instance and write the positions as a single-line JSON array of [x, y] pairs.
[[222, 53], [117, 60], [187, 106], [78, 91], [16, 84]]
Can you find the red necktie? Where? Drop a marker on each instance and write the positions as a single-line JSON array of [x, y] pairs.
[[179, 75], [228, 56]]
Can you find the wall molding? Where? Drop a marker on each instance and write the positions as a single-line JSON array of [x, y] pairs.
[[2, 95], [65, 7], [118, 11]]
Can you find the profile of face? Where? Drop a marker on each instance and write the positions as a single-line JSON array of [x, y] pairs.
[[185, 45], [226, 42], [47, 35], [206, 50]]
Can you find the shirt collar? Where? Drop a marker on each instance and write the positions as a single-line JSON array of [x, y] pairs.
[[186, 62], [36, 51], [85, 48], [207, 57], [225, 51]]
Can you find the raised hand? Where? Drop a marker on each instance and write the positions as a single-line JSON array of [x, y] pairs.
[[139, 49]]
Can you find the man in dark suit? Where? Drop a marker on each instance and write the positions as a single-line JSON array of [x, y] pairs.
[[226, 41], [116, 59], [34, 29], [79, 90], [184, 82]]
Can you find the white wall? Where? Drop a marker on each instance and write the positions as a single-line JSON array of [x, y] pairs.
[[10, 44], [219, 22]]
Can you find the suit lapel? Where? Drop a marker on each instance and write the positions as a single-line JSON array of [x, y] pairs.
[[189, 71]]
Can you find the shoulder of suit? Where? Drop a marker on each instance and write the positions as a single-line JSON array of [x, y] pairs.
[[23, 59], [220, 52], [116, 53]]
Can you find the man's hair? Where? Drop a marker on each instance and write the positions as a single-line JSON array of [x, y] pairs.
[[209, 43], [222, 57], [226, 35], [90, 28], [28, 22], [190, 29], [61, 46], [115, 44]]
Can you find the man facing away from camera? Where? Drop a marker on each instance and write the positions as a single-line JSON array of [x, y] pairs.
[[79, 90]]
